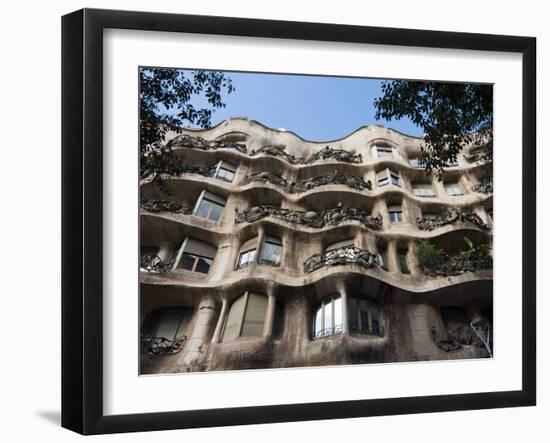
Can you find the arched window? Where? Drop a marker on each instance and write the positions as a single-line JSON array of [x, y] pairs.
[[169, 323], [328, 317], [364, 315], [246, 317], [196, 256], [271, 251], [247, 254]]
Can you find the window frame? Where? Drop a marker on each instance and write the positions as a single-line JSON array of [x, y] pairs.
[[220, 167], [423, 186], [395, 209], [371, 306], [389, 176], [388, 150], [204, 197], [336, 328], [246, 296], [457, 183], [181, 252], [274, 241]]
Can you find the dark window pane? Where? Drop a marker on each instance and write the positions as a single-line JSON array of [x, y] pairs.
[[353, 314], [271, 254], [403, 263], [364, 321], [187, 261], [375, 319], [203, 265]]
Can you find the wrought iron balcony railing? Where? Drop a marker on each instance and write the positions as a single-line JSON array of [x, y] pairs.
[[329, 217], [165, 206], [153, 263], [451, 216], [161, 345], [341, 256], [348, 180]]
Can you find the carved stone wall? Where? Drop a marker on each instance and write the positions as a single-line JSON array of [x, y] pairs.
[[313, 219]]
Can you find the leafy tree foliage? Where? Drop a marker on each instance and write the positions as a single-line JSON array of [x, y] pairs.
[[165, 104], [452, 115]]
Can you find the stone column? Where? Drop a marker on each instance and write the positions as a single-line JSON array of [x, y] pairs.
[[414, 265], [199, 337], [270, 313], [219, 325]]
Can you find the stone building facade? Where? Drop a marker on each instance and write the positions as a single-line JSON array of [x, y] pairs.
[[271, 251]]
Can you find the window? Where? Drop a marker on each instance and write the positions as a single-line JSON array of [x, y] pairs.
[[417, 163], [225, 171], [209, 206], [328, 317], [453, 189], [271, 251], [396, 214], [387, 176], [196, 256], [490, 213], [169, 323], [384, 151], [364, 315], [247, 255], [246, 317], [423, 190], [382, 256], [403, 263]]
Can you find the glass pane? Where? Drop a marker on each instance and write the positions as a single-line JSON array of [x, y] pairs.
[[394, 179], [353, 322], [234, 317], [364, 316], [318, 325], [226, 175], [246, 258], [254, 317], [169, 320], [203, 265], [215, 212], [337, 315], [328, 325], [271, 254], [187, 261], [204, 207], [375, 315], [383, 181]]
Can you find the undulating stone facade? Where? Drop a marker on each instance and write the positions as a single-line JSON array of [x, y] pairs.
[[265, 250]]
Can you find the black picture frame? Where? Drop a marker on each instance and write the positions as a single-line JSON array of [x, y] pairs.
[[82, 232]]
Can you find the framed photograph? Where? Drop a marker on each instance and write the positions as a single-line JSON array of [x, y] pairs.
[[269, 221]]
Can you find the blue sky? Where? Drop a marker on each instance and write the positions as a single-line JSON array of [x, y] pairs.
[[316, 108]]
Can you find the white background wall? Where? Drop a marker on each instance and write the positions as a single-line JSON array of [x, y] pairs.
[[30, 222]]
